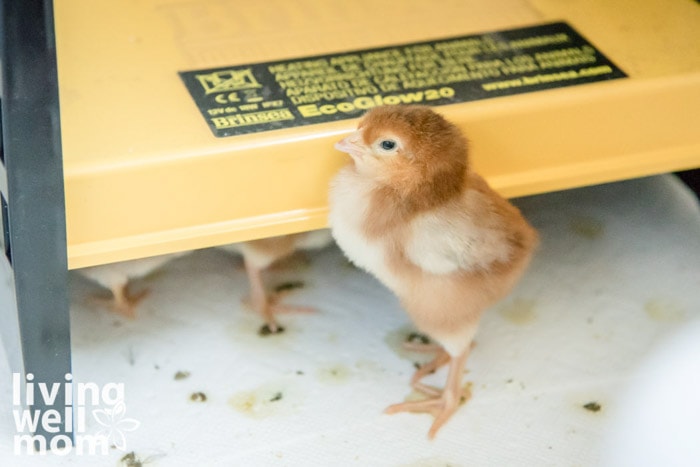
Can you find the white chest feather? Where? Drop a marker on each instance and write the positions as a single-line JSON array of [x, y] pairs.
[[349, 200]]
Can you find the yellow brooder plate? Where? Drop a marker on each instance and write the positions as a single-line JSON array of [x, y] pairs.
[[144, 174]]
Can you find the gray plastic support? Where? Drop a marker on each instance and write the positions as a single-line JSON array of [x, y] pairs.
[[34, 319]]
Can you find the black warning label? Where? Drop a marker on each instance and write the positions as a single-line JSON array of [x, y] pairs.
[[268, 96]]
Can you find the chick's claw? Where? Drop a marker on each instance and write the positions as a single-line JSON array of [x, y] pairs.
[[276, 307], [442, 408], [442, 404], [271, 325]]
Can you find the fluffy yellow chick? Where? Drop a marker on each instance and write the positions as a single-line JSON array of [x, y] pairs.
[[258, 255], [409, 210]]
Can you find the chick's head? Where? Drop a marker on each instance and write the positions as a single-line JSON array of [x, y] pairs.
[[406, 146]]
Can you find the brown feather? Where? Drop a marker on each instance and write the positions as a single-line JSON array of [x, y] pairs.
[[430, 174]]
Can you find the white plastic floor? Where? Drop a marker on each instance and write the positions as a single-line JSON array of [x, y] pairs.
[[617, 273]]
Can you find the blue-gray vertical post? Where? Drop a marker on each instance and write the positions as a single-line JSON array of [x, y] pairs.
[[34, 319]]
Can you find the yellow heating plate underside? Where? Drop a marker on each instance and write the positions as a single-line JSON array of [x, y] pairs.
[[144, 175]]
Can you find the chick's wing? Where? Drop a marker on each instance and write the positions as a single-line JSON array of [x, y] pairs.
[[467, 234]]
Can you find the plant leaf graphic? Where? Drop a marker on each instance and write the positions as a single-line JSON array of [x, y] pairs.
[[119, 440], [103, 417], [118, 410], [128, 424]]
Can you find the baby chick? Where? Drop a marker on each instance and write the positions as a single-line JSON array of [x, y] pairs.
[[411, 212], [116, 277], [260, 254]]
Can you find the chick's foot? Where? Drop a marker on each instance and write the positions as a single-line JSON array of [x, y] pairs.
[[122, 301], [443, 404]]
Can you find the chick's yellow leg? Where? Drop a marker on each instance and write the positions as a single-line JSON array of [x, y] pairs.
[[258, 296], [441, 359], [267, 306], [124, 302], [444, 405]]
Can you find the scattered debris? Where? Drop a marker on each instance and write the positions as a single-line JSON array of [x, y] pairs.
[[466, 393], [267, 400], [180, 375], [593, 406], [334, 374], [416, 337], [130, 460], [266, 331], [198, 397], [287, 286]]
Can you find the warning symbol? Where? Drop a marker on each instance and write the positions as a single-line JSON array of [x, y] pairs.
[[228, 80]]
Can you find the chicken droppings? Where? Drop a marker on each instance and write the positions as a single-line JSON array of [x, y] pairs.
[[181, 375], [592, 406]]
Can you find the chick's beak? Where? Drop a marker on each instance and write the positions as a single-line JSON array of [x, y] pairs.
[[352, 145]]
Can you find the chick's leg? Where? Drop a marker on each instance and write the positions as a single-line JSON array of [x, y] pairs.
[[258, 296], [441, 359], [266, 306], [124, 302], [446, 403]]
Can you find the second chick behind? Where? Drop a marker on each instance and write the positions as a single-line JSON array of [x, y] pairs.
[[259, 254]]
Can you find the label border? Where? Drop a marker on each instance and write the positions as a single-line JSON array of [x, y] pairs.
[[247, 98]]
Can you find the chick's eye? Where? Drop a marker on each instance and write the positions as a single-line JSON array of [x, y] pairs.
[[388, 145]]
